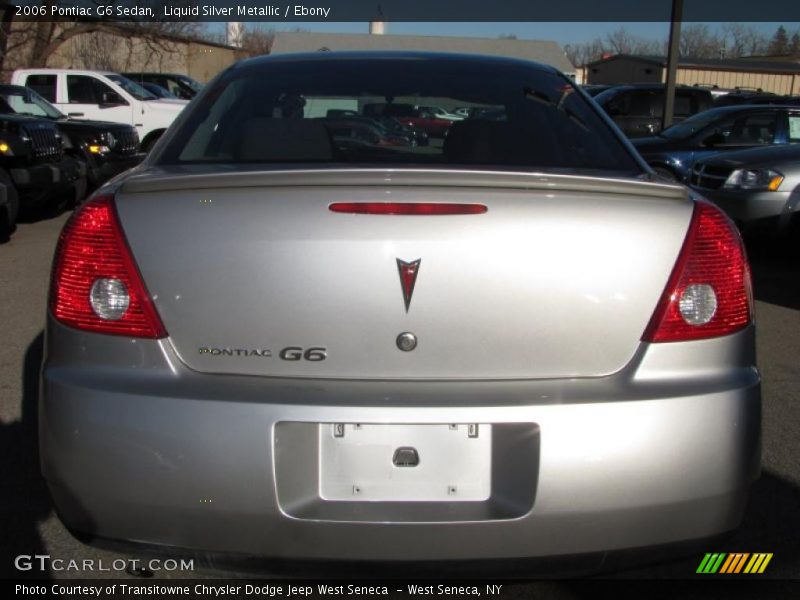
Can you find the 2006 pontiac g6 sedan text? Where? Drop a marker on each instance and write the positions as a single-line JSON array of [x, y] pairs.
[[293, 332]]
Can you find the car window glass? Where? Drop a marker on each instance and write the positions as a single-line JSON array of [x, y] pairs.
[[758, 129], [641, 104], [172, 85], [683, 105], [83, 89], [133, 88], [45, 86], [794, 128], [29, 103], [291, 112]]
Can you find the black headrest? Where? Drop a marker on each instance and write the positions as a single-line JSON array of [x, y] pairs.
[[265, 139]]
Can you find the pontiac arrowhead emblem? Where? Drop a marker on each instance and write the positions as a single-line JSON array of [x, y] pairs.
[[408, 277]]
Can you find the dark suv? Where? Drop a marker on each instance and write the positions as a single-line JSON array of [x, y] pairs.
[[638, 109], [106, 148], [35, 173]]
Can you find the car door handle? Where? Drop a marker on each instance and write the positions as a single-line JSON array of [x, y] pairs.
[[74, 114]]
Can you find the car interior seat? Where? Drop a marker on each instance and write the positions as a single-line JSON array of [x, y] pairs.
[[267, 139]]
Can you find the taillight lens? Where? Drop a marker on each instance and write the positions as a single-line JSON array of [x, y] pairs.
[[709, 293], [95, 284]]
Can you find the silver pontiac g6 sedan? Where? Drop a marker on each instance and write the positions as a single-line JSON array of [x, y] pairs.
[[276, 339]]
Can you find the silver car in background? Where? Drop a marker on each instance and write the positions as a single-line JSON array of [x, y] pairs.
[[757, 187], [512, 343]]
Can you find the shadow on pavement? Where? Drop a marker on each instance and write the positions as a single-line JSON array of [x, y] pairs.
[[24, 501], [770, 524], [776, 270]]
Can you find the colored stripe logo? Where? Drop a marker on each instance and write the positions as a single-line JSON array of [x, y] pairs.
[[734, 563]]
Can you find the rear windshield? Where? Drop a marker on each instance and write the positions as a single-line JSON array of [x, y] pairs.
[[398, 111]]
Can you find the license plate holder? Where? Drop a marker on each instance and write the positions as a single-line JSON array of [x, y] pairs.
[[405, 462]]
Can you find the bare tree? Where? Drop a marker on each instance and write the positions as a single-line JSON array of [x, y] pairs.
[[44, 38], [743, 40], [257, 41], [697, 41], [620, 41]]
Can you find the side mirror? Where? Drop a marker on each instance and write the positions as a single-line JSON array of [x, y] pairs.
[[110, 99]]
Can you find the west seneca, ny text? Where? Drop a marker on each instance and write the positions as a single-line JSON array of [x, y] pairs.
[[268, 590]]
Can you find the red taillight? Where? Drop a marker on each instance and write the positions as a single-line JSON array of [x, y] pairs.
[[407, 208], [95, 284], [709, 293]]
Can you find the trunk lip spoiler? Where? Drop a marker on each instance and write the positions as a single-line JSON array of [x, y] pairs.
[[150, 181]]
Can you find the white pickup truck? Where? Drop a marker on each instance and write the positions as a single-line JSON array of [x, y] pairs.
[[103, 96]]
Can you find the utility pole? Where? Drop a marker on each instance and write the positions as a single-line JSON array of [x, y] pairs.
[[673, 54]]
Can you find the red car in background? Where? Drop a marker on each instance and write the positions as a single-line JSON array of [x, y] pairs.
[[408, 114]]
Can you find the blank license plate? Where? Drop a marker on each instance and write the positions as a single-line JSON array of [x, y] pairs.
[[369, 462]]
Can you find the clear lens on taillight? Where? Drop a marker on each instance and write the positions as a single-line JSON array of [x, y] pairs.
[[698, 304], [109, 299], [95, 284], [709, 292]]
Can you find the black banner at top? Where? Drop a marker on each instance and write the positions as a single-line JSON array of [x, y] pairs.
[[276, 11]]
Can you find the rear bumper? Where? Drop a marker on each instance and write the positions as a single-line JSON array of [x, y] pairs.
[[157, 454], [46, 180]]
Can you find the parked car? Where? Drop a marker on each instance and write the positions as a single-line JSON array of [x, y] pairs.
[[35, 172], [404, 135], [441, 113], [639, 109], [418, 137], [411, 116], [158, 91], [736, 98], [759, 187], [716, 91], [596, 88], [107, 148], [364, 131], [181, 86], [514, 344], [103, 96], [673, 151]]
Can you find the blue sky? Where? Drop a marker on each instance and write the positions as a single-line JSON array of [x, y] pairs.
[[564, 33]]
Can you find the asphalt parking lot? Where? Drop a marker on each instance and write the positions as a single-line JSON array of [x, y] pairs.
[[29, 525]]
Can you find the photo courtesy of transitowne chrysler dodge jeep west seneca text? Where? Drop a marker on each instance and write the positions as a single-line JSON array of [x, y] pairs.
[[276, 338]]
